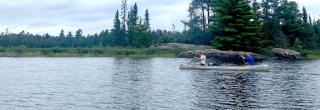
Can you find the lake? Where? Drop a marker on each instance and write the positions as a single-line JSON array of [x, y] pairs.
[[153, 84]]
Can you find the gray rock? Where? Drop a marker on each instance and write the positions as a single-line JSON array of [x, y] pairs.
[[223, 56], [286, 53]]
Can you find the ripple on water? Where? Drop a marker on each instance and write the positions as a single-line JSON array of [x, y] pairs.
[[156, 83]]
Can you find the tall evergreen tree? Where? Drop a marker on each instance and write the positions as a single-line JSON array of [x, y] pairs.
[[62, 33], [236, 26], [117, 38], [46, 36], [197, 34], [290, 20], [271, 23], [69, 42], [304, 15], [316, 28], [147, 20], [124, 11], [310, 20], [132, 22], [307, 36], [197, 8], [79, 33], [306, 33]]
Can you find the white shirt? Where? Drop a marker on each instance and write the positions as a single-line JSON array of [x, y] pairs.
[[203, 59]]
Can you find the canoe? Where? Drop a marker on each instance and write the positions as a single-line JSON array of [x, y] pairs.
[[257, 68]]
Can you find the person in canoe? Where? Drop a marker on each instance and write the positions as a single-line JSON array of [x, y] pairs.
[[202, 59], [248, 59]]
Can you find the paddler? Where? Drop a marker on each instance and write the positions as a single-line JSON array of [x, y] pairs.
[[202, 59], [248, 59]]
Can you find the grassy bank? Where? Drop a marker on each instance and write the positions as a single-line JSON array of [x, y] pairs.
[[89, 52], [115, 52], [311, 54]]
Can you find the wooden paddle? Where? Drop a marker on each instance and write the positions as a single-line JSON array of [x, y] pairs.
[[242, 57], [193, 59]]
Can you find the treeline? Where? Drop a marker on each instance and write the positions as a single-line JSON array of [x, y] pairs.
[[253, 26], [69, 40], [129, 30], [246, 25]]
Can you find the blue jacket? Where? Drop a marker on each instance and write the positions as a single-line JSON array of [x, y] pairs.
[[249, 59]]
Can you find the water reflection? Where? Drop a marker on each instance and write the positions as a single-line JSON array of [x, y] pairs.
[[291, 86], [131, 83], [224, 90], [157, 83]]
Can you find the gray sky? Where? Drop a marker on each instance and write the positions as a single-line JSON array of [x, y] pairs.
[[50, 16]]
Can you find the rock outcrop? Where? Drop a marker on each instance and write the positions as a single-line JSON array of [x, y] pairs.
[[223, 56], [286, 53]]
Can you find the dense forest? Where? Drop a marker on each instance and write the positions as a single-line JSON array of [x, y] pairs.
[[225, 24], [252, 25]]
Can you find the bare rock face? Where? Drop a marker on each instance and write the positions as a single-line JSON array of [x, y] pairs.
[[286, 53], [224, 56]]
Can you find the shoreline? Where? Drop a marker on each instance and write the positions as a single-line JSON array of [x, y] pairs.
[[118, 52], [89, 52]]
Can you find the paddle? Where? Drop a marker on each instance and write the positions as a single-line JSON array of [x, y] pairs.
[[192, 61], [242, 57]]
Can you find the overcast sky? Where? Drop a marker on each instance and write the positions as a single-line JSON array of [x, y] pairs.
[[92, 16]]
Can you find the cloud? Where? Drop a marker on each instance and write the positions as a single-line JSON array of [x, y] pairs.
[[50, 16], [92, 16]]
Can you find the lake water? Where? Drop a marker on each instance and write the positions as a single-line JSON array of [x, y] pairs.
[[154, 84]]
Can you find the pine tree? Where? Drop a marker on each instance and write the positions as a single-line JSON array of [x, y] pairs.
[[198, 32], [132, 22], [290, 20], [78, 41], [69, 34], [310, 20], [147, 20], [306, 33], [202, 9], [124, 11], [271, 23], [304, 15], [117, 38], [141, 35], [46, 36], [79, 33], [236, 26], [124, 15], [62, 33], [317, 32], [69, 42]]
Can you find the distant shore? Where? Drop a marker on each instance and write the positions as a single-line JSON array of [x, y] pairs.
[[114, 52], [161, 50], [89, 52]]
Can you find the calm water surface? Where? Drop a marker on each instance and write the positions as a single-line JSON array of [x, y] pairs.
[[157, 83]]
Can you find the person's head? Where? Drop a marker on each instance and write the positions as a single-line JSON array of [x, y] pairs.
[[248, 54], [245, 54]]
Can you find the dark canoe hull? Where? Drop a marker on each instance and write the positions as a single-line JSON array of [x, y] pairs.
[[259, 68]]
